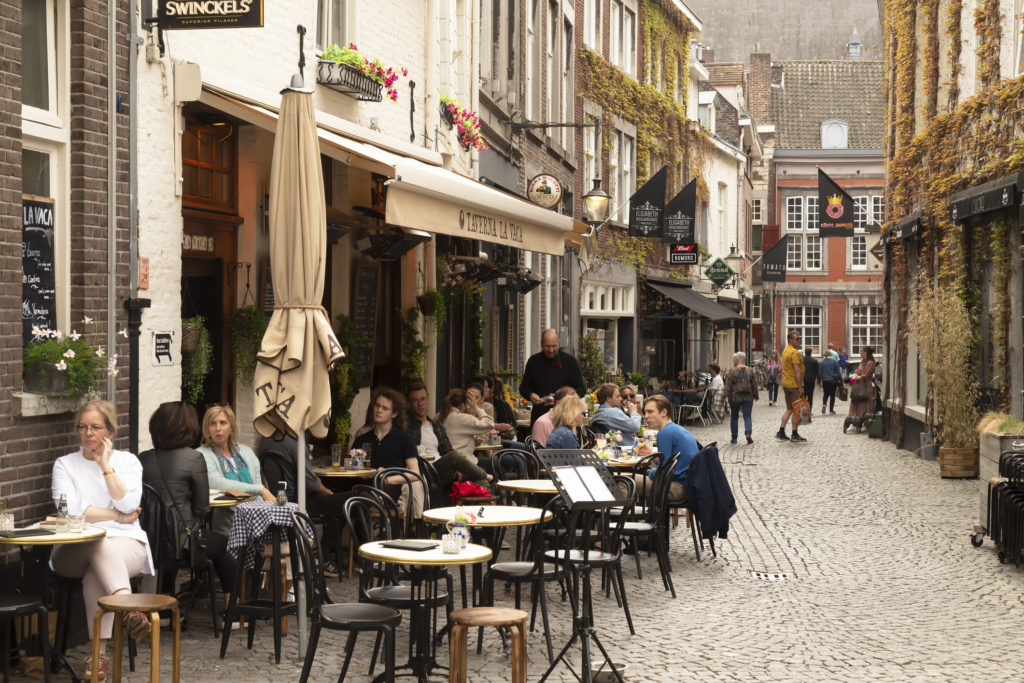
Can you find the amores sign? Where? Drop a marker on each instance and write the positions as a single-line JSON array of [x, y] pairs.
[[189, 14]]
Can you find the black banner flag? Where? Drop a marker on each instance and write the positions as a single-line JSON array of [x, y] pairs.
[[647, 205], [680, 216], [835, 208], [773, 263]]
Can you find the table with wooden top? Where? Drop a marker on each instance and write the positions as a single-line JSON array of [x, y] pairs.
[[528, 485], [426, 567], [331, 473], [216, 501], [35, 557]]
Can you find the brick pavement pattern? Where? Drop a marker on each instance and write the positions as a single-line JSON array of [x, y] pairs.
[[882, 584]]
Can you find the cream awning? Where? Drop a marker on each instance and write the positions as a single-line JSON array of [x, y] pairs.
[[444, 202]]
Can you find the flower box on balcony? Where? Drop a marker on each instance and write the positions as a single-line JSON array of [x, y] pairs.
[[348, 80]]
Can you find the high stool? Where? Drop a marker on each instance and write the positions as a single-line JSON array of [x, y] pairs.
[[500, 617], [149, 604], [13, 606]]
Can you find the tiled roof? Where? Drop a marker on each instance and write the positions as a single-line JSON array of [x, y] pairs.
[[818, 90], [725, 73]]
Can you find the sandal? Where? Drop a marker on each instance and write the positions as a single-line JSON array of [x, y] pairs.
[[101, 674], [138, 625]]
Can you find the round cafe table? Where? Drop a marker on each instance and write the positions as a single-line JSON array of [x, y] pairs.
[[425, 569], [528, 486], [217, 502], [35, 557], [330, 473]]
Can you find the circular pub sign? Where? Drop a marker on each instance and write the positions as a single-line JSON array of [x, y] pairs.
[[544, 190]]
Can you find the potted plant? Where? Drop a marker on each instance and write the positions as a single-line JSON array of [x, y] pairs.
[[413, 348], [247, 325], [432, 305], [941, 327], [196, 364], [65, 364], [349, 71], [591, 360], [466, 122]]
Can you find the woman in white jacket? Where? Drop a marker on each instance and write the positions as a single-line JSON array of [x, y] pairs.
[[463, 417]]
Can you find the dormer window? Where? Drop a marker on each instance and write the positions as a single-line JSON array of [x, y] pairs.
[[835, 134]]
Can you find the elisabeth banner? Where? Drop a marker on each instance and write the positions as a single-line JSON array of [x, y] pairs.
[[680, 215], [835, 208], [647, 205]]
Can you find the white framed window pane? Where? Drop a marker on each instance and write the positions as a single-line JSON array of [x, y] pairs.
[[755, 211], [812, 213], [813, 252], [878, 209], [591, 20], [865, 328], [861, 207], [755, 307], [805, 320], [35, 173], [628, 34], [615, 33], [859, 251], [615, 189], [628, 177], [794, 253], [330, 23], [38, 55], [794, 214]]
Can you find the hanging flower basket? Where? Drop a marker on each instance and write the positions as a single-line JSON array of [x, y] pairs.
[[189, 335], [446, 116]]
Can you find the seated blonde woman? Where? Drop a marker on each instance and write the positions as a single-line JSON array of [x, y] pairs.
[[567, 417]]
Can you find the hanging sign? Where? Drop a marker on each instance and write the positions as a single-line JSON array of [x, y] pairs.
[[719, 272], [163, 348], [835, 208], [189, 14], [38, 281], [647, 205], [544, 190], [683, 254], [773, 263], [680, 214]]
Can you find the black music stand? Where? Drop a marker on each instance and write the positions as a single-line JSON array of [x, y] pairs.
[[586, 486]]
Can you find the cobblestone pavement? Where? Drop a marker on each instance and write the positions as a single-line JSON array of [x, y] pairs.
[[881, 584]]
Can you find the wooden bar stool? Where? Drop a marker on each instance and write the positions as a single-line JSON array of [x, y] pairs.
[[500, 617], [149, 604]]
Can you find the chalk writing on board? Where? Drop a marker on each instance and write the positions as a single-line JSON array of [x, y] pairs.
[[38, 281]]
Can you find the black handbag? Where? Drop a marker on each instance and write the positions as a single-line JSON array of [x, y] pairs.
[[860, 390]]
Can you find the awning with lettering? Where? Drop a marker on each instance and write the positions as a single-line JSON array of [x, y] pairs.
[[444, 202]]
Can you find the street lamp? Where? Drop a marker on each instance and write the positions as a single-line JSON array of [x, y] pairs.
[[595, 204]]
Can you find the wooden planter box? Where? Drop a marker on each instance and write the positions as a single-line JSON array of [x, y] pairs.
[[958, 463]]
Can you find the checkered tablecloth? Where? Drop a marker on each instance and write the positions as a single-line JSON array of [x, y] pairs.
[[251, 528]]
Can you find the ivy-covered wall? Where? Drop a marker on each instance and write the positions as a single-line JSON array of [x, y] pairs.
[[937, 146], [662, 127]]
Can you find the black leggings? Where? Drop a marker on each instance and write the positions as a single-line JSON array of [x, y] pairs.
[[828, 398], [223, 561]]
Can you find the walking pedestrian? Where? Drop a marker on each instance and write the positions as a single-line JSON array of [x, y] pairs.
[[810, 375], [741, 389], [843, 357], [792, 385], [862, 393], [830, 377], [772, 377]]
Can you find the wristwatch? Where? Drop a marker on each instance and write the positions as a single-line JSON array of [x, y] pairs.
[[108, 472]]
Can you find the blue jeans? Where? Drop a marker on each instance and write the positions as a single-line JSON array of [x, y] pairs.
[[773, 392], [735, 407]]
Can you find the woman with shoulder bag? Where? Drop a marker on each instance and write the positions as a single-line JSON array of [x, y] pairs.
[[831, 378], [862, 392], [741, 390], [773, 377]]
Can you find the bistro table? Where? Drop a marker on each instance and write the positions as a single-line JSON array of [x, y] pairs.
[[528, 486], [330, 473], [36, 559], [222, 499], [425, 569]]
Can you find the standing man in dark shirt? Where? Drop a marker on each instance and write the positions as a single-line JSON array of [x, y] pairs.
[[546, 372], [810, 375]]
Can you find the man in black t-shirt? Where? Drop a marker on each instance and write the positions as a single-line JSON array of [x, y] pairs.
[[389, 445], [548, 371]]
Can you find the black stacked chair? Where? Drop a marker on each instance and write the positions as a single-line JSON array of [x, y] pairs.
[[694, 519], [535, 571], [13, 606], [352, 617], [509, 463], [586, 436], [651, 525], [379, 582], [409, 527]]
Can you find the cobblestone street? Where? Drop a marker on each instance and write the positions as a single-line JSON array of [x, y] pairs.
[[881, 583]]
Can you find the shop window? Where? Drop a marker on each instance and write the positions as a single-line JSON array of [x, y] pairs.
[[805, 320], [208, 165], [865, 328]]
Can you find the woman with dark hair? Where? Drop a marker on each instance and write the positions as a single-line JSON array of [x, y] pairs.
[[178, 473], [862, 393]]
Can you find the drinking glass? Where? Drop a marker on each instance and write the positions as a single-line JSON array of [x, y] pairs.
[[336, 453], [6, 521], [76, 524], [63, 525]]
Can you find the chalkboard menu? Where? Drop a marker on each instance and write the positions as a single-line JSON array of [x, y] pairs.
[[364, 316], [38, 283]]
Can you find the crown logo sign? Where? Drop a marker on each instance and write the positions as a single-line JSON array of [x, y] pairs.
[[835, 199], [835, 206]]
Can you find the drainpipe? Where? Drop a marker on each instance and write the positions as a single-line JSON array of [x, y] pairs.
[[133, 304], [111, 186]]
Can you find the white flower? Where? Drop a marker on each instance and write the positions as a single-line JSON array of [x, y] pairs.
[[87, 320], [61, 365], [112, 372], [112, 366], [124, 332], [52, 334], [38, 332], [100, 351], [59, 335], [74, 335], [70, 353]]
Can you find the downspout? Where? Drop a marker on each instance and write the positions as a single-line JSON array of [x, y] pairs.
[[111, 187]]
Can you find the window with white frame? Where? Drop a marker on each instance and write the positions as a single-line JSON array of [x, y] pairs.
[[859, 252], [592, 24], [44, 124], [568, 110], [622, 34], [532, 74], [755, 307], [551, 62], [794, 228], [812, 247], [865, 328], [723, 202], [878, 209], [812, 212], [806, 321], [805, 248], [330, 23], [627, 173], [755, 211], [591, 135], [861, 211]]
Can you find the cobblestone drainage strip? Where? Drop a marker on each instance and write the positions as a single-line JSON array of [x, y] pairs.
[[768, 576]]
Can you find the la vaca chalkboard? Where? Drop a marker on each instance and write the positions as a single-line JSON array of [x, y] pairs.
[[38, 282]]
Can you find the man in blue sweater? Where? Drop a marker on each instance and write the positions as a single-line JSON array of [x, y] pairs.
[[612, 414], [672, 439]]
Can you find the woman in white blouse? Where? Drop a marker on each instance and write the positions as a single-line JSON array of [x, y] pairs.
[[463, 417], [105, 486]]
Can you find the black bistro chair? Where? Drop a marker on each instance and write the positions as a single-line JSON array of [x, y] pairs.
[[651, 525], [409, 525], [353, 617]]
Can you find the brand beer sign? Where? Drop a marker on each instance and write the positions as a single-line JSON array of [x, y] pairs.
[[186, 14]]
